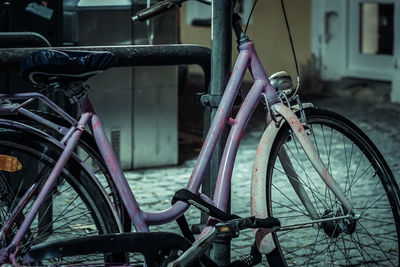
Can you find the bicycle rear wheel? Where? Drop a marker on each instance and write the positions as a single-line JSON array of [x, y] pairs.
[[360, 170], [86, 150], [76, 206]]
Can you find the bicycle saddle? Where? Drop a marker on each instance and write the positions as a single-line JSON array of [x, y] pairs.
[[45, 67]]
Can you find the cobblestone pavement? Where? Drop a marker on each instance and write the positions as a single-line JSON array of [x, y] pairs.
[[155, 187]]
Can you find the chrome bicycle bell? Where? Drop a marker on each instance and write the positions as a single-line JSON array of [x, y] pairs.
[[282, 81]]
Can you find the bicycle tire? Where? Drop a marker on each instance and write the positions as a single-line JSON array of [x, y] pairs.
[[77, 206], [355, 163]]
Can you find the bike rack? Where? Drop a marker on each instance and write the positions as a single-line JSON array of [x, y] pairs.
[[22, 39], [126, 56]]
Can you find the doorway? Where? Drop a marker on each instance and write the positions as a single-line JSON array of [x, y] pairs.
[[372, 38]]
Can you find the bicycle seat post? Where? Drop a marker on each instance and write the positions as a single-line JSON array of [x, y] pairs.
[[241, 37], [76, 91]]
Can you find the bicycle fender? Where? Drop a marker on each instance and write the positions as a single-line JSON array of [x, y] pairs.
[[258, 195]]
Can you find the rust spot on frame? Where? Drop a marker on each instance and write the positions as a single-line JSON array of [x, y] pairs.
[[96, 124]]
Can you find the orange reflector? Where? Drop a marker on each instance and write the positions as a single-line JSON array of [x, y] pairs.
[[9, 164], [224, 229]]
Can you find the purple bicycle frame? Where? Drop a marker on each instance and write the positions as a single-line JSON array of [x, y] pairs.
[[261, 89], [141, 220], [247, 59]]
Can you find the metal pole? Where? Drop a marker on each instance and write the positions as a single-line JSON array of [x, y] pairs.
[[221, 54]]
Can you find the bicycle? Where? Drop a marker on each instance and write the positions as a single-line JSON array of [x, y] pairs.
[[55, 210]]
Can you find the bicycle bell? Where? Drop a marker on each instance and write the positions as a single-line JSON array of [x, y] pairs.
[[282, 81]]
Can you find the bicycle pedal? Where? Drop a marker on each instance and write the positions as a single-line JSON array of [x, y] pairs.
[[248, 260], [244, 261], [271, 223]]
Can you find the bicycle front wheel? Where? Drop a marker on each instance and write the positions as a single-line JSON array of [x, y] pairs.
[[76, 207], [363, 175]]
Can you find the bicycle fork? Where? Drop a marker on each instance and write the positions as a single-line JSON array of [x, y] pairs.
[[264, 240], [312, 154]]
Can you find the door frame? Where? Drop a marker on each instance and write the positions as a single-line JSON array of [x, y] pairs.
[[379, 67]]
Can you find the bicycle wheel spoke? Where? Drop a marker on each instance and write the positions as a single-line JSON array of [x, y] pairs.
[[372, 247], [335, 244], [298, 208], [330, 165], [359, 248], [330, 243], [355, 172], [313, 247], [379, 221], [310, 181], [290, 208], [328, 149], [384, 237], [300, 181], [376, 243], [376, 201], [68, 221], [348, 172], [346, 252], [61, 213], [387, 208], [305, 246], [14, 203], [362, 174]]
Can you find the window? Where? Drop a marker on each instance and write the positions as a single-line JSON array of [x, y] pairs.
[[376, 28]]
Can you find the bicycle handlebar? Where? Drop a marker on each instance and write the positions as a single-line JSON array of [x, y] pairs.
[[156, 9], [160, 7], [164, 5]]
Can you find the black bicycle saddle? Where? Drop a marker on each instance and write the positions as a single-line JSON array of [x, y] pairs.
[[45, 67]]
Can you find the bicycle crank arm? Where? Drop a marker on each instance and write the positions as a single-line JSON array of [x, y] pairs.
[[195, 251], [311, 223], [232, 228]]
